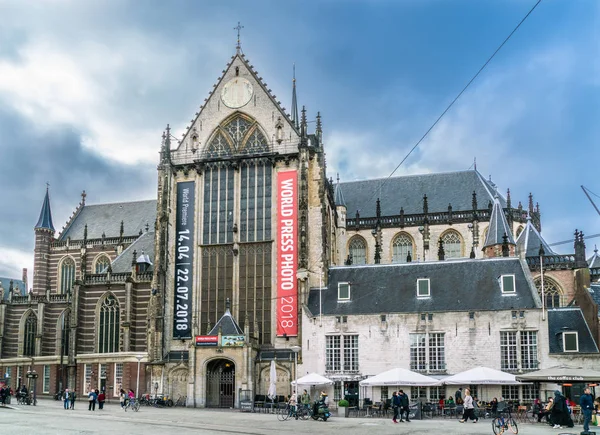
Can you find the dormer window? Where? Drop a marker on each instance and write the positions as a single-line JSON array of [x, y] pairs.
[[344, 291], [570, 341], [507, 284], [423, 288]]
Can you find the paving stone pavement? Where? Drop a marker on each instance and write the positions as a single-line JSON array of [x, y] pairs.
[[49, 418]]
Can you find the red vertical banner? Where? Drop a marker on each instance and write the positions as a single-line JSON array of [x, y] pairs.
[[287, 253]]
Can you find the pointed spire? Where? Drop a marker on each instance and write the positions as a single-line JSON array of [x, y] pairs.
[[474, 201], [508, 201], [425, 205], [339, 194], [498, 227], [378, 209], [303, 131], [294, 101], [122, 229], [530, 204], [238, 47], [319, 129], [85, 232], [529, 241], [45, 220], [83, 195]]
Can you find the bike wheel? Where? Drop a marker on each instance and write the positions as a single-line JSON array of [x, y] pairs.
[[303, 414], [497, 426], [136, 406], [169, 403], [512, 425]]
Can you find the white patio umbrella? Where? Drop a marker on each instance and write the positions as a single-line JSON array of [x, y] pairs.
[[481, 376], [272, 382], [400, 376], [313, 379]]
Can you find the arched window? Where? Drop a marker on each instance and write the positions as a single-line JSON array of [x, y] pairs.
[[67, 275], [63, 332], [552, 291], [30, 331], [237, 134], [108, 326], [358, 250], [218, 146], [256, 143], [519, 231], [101, 265], [452, 244], [402, 246]]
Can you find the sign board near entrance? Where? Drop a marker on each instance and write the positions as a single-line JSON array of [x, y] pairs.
[[184, 259], [287, 253], [207, 340], [232, 340]]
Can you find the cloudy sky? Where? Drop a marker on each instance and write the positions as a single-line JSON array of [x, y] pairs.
[[86, 88]]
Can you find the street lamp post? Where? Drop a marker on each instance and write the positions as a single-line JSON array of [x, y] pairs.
[[137, 385], [296, 349]]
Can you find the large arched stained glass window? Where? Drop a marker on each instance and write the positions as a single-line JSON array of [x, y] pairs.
[[358, 250], [101, 264], [108, 326], [238, 134], [402, 247], [452, 244], [67, 275], [64, 331], [552, 291], [30, 331]]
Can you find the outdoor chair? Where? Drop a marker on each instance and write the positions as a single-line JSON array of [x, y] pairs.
[[259, 401]]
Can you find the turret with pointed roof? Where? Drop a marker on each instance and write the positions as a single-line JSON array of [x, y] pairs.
[[529, 241], [294, 111], [226, 324], [499, 241], [44, 235]]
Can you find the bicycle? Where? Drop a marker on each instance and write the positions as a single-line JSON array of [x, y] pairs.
[[134, 404], [500, 424], [181, 401]]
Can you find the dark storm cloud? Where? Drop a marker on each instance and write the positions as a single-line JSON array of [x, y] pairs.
[[30, 158]]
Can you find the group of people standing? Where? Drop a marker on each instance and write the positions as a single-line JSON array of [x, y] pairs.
[[400, 403], [5, 393], [96, 396], [69, 398]]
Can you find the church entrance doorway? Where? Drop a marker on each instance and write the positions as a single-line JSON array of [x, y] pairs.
[[220, 384]]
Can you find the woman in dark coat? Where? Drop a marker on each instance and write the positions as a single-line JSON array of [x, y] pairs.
[[559, 415]]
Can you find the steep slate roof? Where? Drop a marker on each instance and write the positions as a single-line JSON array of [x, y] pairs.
[[106, 218], [144, 243], [407, 192], [595, 294], [227, 324], [594, 260], [339, 195], [529, 241], [569, 319], [456, 285], [45, 220], [498, 227], [16, 283]]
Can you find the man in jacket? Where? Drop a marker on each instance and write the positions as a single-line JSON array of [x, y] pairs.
[[404, 402], [66, 398], [587, 405], [395, 405]]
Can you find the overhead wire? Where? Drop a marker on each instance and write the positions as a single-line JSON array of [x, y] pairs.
[[457, 97]]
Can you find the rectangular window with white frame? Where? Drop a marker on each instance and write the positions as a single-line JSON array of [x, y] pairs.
[[529, 350], [427, 352], [436, 393], [437, 352], [9, 375], [529, 392], [118, 379], [87, 380], [418, 352], [332, 353], [418, 393], [344, 291], [46, 382], [508, 350], [508, 284], [384, 393], [510, 392], [570, 341], [423, 288], [351, 353], [19, 381]]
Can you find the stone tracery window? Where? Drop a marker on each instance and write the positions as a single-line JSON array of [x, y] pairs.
[[358, 250], [67, 275], [29, 333], [238, 134], [452, 244], [108, 325], [552, 291], [402, 245], [101, 264]]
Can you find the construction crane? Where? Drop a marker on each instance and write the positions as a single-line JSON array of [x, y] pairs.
[[585, 190]]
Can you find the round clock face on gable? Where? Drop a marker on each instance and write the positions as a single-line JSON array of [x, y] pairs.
[[237, 92]]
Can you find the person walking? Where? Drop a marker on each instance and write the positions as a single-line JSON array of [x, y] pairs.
[[66, 398], [73, 397], [122, 398], [101, 398], [404, 406], [559, 415], [395, 406], [586, 401], [92, 400], [305, 399], [469, 408]]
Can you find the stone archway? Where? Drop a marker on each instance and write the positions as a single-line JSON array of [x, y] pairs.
[[220, 383]]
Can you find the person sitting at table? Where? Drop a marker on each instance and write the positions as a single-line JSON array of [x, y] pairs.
[[494, 406], [450, 401], [442, 402]]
